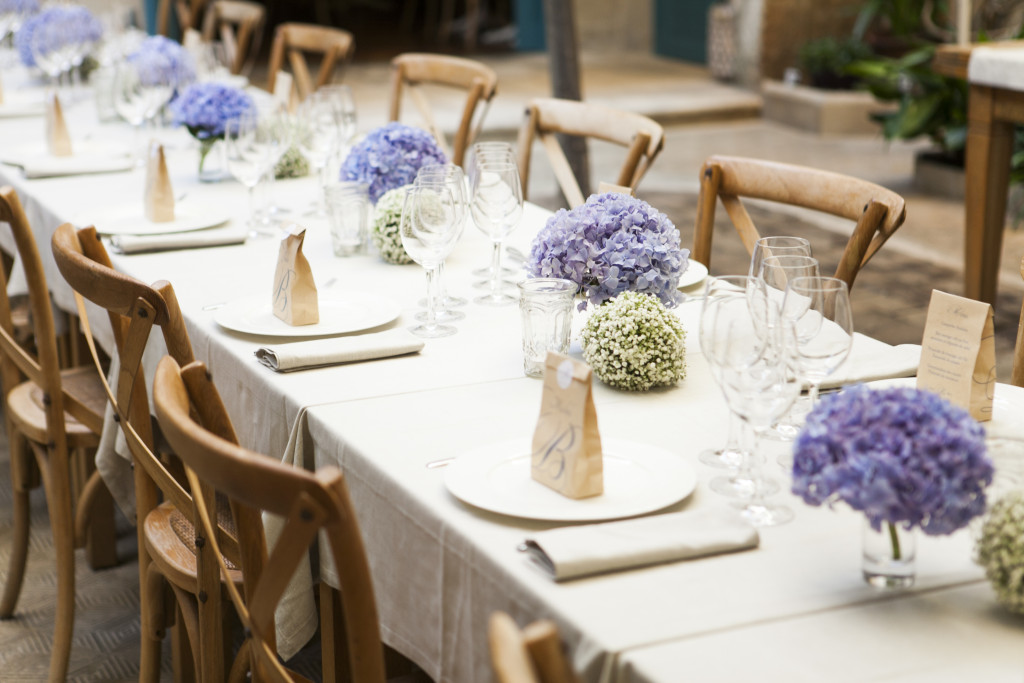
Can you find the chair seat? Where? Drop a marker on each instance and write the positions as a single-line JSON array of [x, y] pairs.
[[25, 404], [170, 542]]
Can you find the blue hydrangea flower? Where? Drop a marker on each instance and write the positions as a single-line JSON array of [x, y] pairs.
[[900, 455], [162, 61], [204, 108], [611, 244], [56, 26], [22, 7], [389, 157]]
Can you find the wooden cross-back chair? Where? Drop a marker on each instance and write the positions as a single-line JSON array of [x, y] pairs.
[[239, 26], [412, 70], [531, 655], [1017, 378], [546, 117], [877, 212], [53, 419], [334, 45], [171, 553], [196, 425], [189, 14]]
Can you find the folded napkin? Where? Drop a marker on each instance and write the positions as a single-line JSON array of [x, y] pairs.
[[16, 110], [871, 359], [572, 552], [320, 352], [215, 237], [51, 167]]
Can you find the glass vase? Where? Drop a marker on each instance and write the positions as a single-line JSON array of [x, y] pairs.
[[889, 555], [213, 163]]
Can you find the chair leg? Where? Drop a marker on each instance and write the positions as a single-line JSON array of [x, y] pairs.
[[58, 496], [22, 518], [101, 534]]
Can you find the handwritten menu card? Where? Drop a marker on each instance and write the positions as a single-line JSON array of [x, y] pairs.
[[958, 356], [295, 297], [566, 453]]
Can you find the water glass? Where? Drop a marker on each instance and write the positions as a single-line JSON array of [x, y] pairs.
[[348, 209], [546, 306]]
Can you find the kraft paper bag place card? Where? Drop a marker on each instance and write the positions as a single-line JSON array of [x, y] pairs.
[[958, 358], [283, 91], [159, 195], [295, 298], [58, 141], [566, 450], [602, 188], [192, 40]]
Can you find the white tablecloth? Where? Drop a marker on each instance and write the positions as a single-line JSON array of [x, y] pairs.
[[441, 567], [999, 67]]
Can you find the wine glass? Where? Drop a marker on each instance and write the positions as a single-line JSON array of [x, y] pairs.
[[452, 177], [247, 158], [340, 96], [130, 103], [751, 346], [497, 205], [728, 297], [316, 135], [819, 310], [488, 151], [778, 245], [777, 272], [277, 123], [429, 230]]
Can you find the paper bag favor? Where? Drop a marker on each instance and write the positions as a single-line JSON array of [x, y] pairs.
[[958, 358], [159, 195], [566, 452], [57, 139], [612, 187], [295, 299], [284, 93]]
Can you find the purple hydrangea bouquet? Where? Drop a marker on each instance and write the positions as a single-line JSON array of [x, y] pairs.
[[204, 109], [54, 28], [611, 244], [389, 157], [13, 14], [904, 457], [162, 61]]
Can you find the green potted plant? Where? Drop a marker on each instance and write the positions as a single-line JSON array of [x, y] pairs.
[[825, 62]]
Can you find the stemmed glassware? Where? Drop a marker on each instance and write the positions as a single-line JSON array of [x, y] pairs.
[[819, 310], [497, 205], [316, 135], [488, 151], [130, 103], [451, 177], [777, 245], [751, 346], [429, 231], [251, 145]]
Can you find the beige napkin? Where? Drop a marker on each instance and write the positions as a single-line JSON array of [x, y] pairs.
[[196, 239], [871, 359], [52, 167], [320, 352], [572, 552]]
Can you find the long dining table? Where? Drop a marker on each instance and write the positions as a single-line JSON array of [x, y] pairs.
[[796, 608]]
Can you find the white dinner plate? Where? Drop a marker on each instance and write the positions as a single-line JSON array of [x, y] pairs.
[[340, 314], [693, 275], [638, 478], [129, 220]]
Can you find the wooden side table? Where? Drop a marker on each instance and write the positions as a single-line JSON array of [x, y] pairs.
[[991, 115]]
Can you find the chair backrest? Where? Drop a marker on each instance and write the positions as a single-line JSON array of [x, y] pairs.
[[878, 212], [410, 71], [1018, 351], [531, 655], [43, 366], [189, 13], [133, 308], [334, 45], [547, 117], [239, 25], [193, 419]]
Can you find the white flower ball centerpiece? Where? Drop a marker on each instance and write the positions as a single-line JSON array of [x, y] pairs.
[[386, 232], [634, 343]]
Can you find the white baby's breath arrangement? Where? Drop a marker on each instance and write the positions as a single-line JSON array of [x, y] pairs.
[[1000, 550], [634, 343], [292, 164], [387, 221]]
